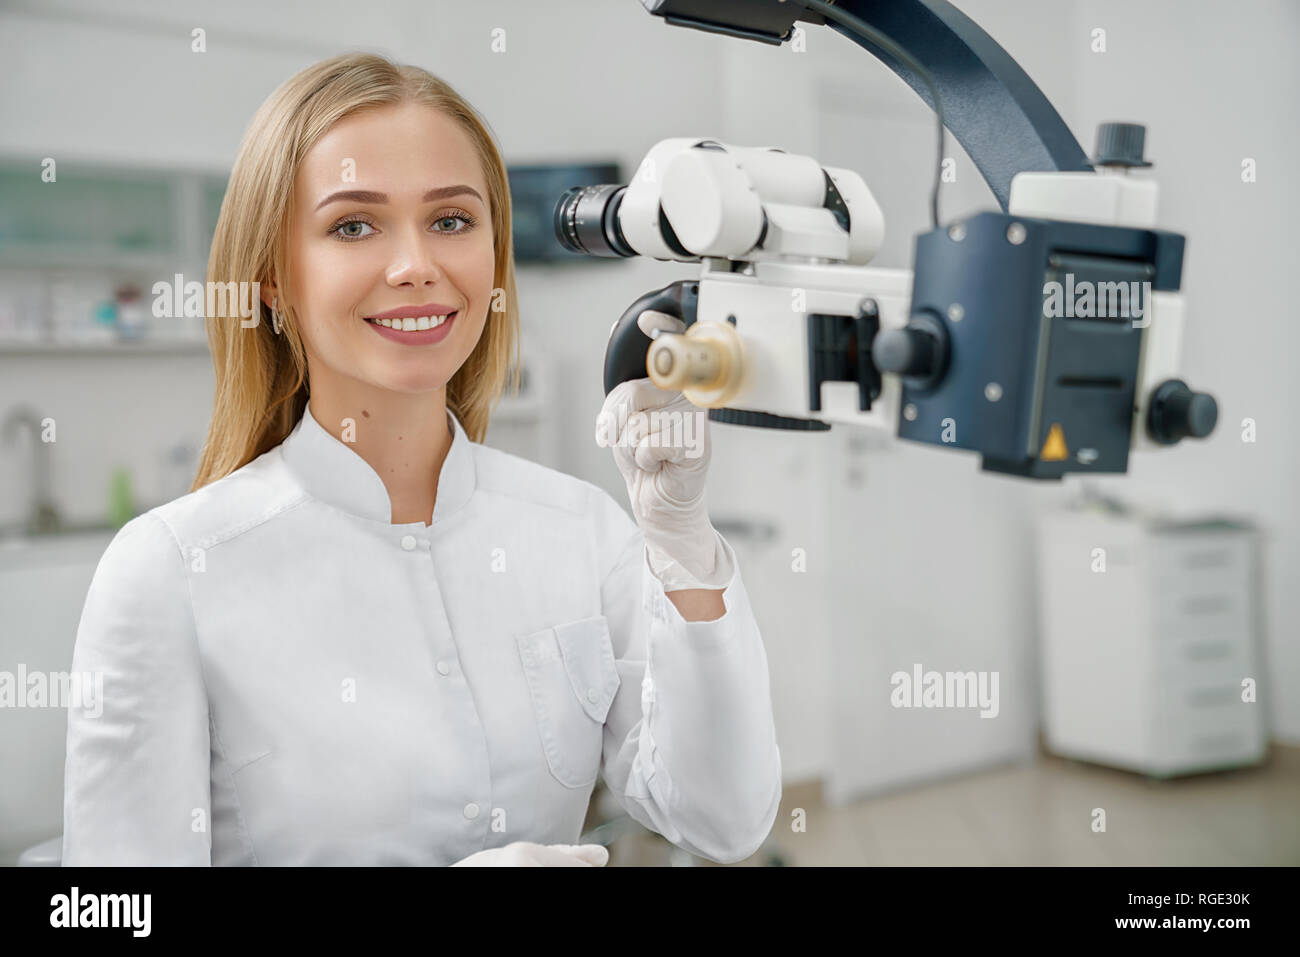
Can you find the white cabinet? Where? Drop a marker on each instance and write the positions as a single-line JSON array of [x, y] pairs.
[[929, 562], [43, 585], [1149, 642]]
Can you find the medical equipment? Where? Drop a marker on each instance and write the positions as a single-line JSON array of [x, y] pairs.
[[1045, 336]]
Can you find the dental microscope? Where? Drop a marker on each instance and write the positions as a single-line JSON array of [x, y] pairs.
[[1044, 335]]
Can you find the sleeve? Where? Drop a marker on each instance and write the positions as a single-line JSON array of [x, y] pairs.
[[690, 741], [136, 785]]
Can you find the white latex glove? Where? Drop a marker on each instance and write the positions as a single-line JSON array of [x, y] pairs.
[[664, 460], [528, 854]]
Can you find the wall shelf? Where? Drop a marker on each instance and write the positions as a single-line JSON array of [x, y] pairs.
[[148, 347]]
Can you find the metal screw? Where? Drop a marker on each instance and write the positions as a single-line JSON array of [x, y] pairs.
[[957, 232], [956, 312], [909, 412], [1016, 234], [993, 392]]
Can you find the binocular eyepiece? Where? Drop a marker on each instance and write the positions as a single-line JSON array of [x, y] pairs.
[[586, 221]]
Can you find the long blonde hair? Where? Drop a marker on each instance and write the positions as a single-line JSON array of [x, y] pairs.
[[261, 377]]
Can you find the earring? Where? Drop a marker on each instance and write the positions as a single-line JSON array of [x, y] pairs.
[[275, 319]]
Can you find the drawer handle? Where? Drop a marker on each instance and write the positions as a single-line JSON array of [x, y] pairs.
[[1217, 742], [741, 529], [1208, 650], [1212, 697], [1215, 558], [1206, 604]]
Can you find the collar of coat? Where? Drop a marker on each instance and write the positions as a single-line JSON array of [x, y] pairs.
[[332, 471]]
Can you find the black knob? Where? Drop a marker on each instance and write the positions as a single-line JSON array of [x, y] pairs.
[[1179, 413], [1120, 144], [906, 351]]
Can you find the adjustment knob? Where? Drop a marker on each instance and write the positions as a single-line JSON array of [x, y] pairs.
[[706, 363], [1179, 413], [907, 351], [1120, 144]]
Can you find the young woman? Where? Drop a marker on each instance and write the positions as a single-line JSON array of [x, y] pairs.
[[363, 637]]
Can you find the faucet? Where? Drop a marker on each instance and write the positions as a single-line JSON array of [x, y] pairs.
[[44, 516]]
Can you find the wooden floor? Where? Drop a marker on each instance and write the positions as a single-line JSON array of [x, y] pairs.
[[1037, 814]]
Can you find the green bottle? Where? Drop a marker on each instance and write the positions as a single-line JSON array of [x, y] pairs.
[[121, 507]]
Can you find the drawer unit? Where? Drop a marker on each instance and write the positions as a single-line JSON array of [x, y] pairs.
[[1144, 656]]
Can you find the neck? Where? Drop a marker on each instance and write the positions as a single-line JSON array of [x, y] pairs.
[[404, 438]]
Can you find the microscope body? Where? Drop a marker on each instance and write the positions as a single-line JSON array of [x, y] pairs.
[[1045, 338]]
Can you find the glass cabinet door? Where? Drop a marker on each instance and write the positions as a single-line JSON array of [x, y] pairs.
[[86, 215]]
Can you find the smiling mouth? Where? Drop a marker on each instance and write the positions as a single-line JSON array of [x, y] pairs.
[[413, 325]]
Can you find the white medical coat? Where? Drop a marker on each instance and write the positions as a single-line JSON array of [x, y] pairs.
[[289, 678]]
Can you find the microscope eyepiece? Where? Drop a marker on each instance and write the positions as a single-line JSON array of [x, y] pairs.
[[586, 221]]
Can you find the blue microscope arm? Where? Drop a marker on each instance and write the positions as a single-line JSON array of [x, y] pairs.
[[996, 112]]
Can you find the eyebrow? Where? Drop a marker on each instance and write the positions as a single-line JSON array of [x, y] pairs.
[[368, 196]]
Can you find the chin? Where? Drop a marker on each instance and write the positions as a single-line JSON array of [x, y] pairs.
[[413, 384]]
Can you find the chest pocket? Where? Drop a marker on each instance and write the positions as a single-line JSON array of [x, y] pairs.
[[572, 679]]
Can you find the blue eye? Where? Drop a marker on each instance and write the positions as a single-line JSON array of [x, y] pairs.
[[469, 221], [336, 230]]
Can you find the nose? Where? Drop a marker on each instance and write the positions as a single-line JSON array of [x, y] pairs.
[[413, 264]]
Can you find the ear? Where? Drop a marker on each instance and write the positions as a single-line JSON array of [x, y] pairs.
[[268, 292]]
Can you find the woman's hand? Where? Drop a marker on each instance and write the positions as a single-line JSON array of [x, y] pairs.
[[662, 448], [528, 854]]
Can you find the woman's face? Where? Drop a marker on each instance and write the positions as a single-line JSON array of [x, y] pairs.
[[353, 257]]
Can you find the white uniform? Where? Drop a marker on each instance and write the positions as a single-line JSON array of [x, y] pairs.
[[289, 678]]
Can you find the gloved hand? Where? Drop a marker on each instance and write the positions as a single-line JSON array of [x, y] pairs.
[[528, 854], [664, 459]]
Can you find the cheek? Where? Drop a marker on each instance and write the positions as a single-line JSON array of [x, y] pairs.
[[477, 284], [473, 273], [343, 281], [330, 300], [485, 271]]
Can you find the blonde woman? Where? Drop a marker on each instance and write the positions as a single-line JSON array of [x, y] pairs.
[[363, 637]]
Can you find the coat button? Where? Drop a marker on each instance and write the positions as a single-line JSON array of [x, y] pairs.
[[592, 695], [471, 810], [443, 668], [408, 542]]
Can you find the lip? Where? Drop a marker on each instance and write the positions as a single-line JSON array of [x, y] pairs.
[[418, 337], [415, 312]]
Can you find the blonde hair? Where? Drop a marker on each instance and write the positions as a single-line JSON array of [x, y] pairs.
[[261, 378]]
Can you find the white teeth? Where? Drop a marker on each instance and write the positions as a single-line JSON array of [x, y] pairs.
[[413, 325]]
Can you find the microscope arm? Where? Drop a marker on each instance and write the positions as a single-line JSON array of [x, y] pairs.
[[997, 113]]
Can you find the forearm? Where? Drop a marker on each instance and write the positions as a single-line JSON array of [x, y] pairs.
[[700, 764], [698, 604]]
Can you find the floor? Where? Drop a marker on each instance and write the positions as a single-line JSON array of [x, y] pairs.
[[1035, 814]]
